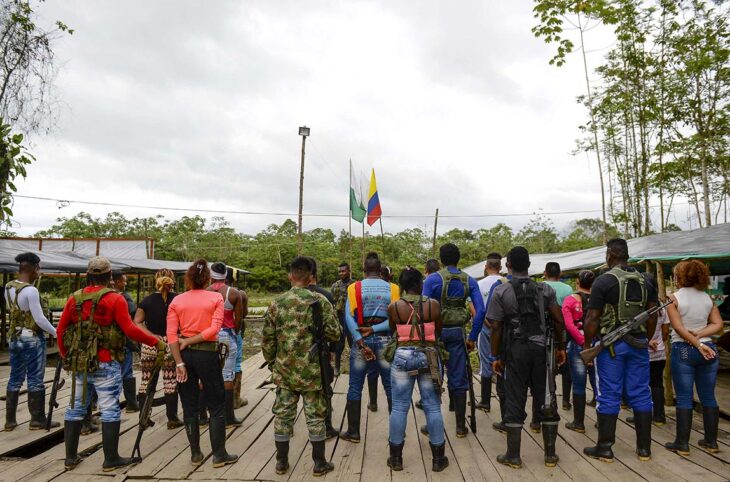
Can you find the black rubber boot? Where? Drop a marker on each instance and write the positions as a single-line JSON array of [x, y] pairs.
[[87, 426], [460, 408], [353, 422], [549, 436], [129, 386], [684, 426], [642, 425], [11, 407], [512, 457], [321, 466], [71, 434], [192, 430], [173, 421], [606, 438], [110, 439], [657, 397], [282, 457], [231, 420], [579, 412], [451, 401], [711, 420], [486, 402], [373, 394], [37, 408], [217, 431], [440, 461], [395, 461]]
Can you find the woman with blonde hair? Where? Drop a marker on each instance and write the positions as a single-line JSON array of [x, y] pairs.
[[694, 318], [152, 313]]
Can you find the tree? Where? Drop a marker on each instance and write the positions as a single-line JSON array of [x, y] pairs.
[[13, 161], [27, 68]]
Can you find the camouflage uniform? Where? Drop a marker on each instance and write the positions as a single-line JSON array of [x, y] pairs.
[[339, 293], [286, 341]]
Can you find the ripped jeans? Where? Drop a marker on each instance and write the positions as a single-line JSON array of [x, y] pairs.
[[359, 366]]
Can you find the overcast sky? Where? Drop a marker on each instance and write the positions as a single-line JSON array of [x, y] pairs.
[[198, 104]]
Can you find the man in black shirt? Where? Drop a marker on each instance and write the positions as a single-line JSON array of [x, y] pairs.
[[622, 368]]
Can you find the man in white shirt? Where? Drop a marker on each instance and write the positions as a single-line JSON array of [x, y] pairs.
[[492, 279], [27, 343]]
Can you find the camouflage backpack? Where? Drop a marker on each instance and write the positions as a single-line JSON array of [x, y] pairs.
[[454, 310], [19, 319]]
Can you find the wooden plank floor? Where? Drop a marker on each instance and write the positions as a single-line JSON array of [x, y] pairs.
[[167, 457]]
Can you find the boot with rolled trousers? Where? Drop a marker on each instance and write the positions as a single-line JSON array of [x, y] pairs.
[[512, 457], [352, 434], [192, 430], [282, 457], [11, 406], [606, 438], [71, 433], [321, 466]]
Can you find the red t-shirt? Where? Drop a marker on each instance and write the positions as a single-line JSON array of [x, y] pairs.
[[112, 308]]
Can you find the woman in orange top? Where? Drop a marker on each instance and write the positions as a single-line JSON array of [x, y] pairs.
[[194, 319]]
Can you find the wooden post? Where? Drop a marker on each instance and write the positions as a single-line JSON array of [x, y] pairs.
[[301, 195], [4, 310], [661, 285], [78, 282], [382, 236], [139, 286], [435, 228]]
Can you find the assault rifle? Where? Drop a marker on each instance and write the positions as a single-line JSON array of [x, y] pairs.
[[612, 337], [320, 351], [58, 383], [472, 398], [145, 413], [550, 404]]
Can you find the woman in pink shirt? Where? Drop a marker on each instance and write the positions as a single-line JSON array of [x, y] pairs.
[[574, 315], [194, 319]]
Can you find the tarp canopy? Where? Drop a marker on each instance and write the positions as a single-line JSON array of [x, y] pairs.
[[709, 244], [55, 260]]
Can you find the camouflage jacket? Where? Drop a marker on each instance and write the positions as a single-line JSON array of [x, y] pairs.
[[287, 338], [339, 293]]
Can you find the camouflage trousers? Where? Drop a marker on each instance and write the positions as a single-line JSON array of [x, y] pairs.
[[285, 413]]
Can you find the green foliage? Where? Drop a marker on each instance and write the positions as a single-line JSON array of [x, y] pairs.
[[266, 254], [13, 161]]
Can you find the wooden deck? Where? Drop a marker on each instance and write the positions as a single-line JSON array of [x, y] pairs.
[[167, 457]]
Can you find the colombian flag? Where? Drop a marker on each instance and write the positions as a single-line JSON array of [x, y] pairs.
[[374, 210]]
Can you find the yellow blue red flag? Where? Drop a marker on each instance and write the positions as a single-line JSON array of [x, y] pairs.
[[374, 210]]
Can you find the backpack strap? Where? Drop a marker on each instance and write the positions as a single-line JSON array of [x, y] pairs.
[[358, 300]]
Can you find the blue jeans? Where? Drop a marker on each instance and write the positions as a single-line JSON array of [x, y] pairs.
[[107, 381], [627, 373], [127, 364], [27, 359], [407, 359], [578, 370], [484, 343], [458, 379], [239, 352], [689, 368], [359, 367], [228, 337]]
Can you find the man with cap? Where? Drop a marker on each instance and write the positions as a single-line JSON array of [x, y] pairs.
[[97, 317], [27, 343], [232, 316]]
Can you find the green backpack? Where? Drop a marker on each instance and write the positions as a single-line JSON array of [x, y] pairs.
[[454, 310], [19, 319]]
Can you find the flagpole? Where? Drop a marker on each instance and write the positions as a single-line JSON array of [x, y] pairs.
[[382, 235], [363, 248], [349, 203]]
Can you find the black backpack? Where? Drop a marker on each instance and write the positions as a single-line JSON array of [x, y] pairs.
[[530, 319]]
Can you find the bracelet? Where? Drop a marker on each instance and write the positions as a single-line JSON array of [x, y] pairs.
[[180, 365]]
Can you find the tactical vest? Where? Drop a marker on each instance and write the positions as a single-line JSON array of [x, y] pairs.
[[84, 338], [19, 319], [530, 319], [454, 311], [624, 310]]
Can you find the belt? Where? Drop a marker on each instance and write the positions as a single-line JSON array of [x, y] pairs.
[[204, 346], [639, 343], [415, 344]]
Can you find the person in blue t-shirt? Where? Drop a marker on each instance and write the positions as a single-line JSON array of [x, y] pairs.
[[452, 288]]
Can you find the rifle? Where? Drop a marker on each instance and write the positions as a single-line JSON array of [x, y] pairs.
[[472, 398], [319, 349], [145, 412], [550, 404], [58, 383], [588, 354]]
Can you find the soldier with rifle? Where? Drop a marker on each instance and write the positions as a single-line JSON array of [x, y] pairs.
[[453, 288], [92, 334], [617, 299], [297, 326], [27, 343], [527, 344], [416, 322]]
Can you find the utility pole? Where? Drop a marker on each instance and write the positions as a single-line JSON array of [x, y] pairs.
[[304, 132], [435, 228]]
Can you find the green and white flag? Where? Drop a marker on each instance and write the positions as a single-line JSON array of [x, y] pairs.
[[357, 209]]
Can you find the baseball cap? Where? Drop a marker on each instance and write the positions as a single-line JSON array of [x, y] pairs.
[[99, 265]]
